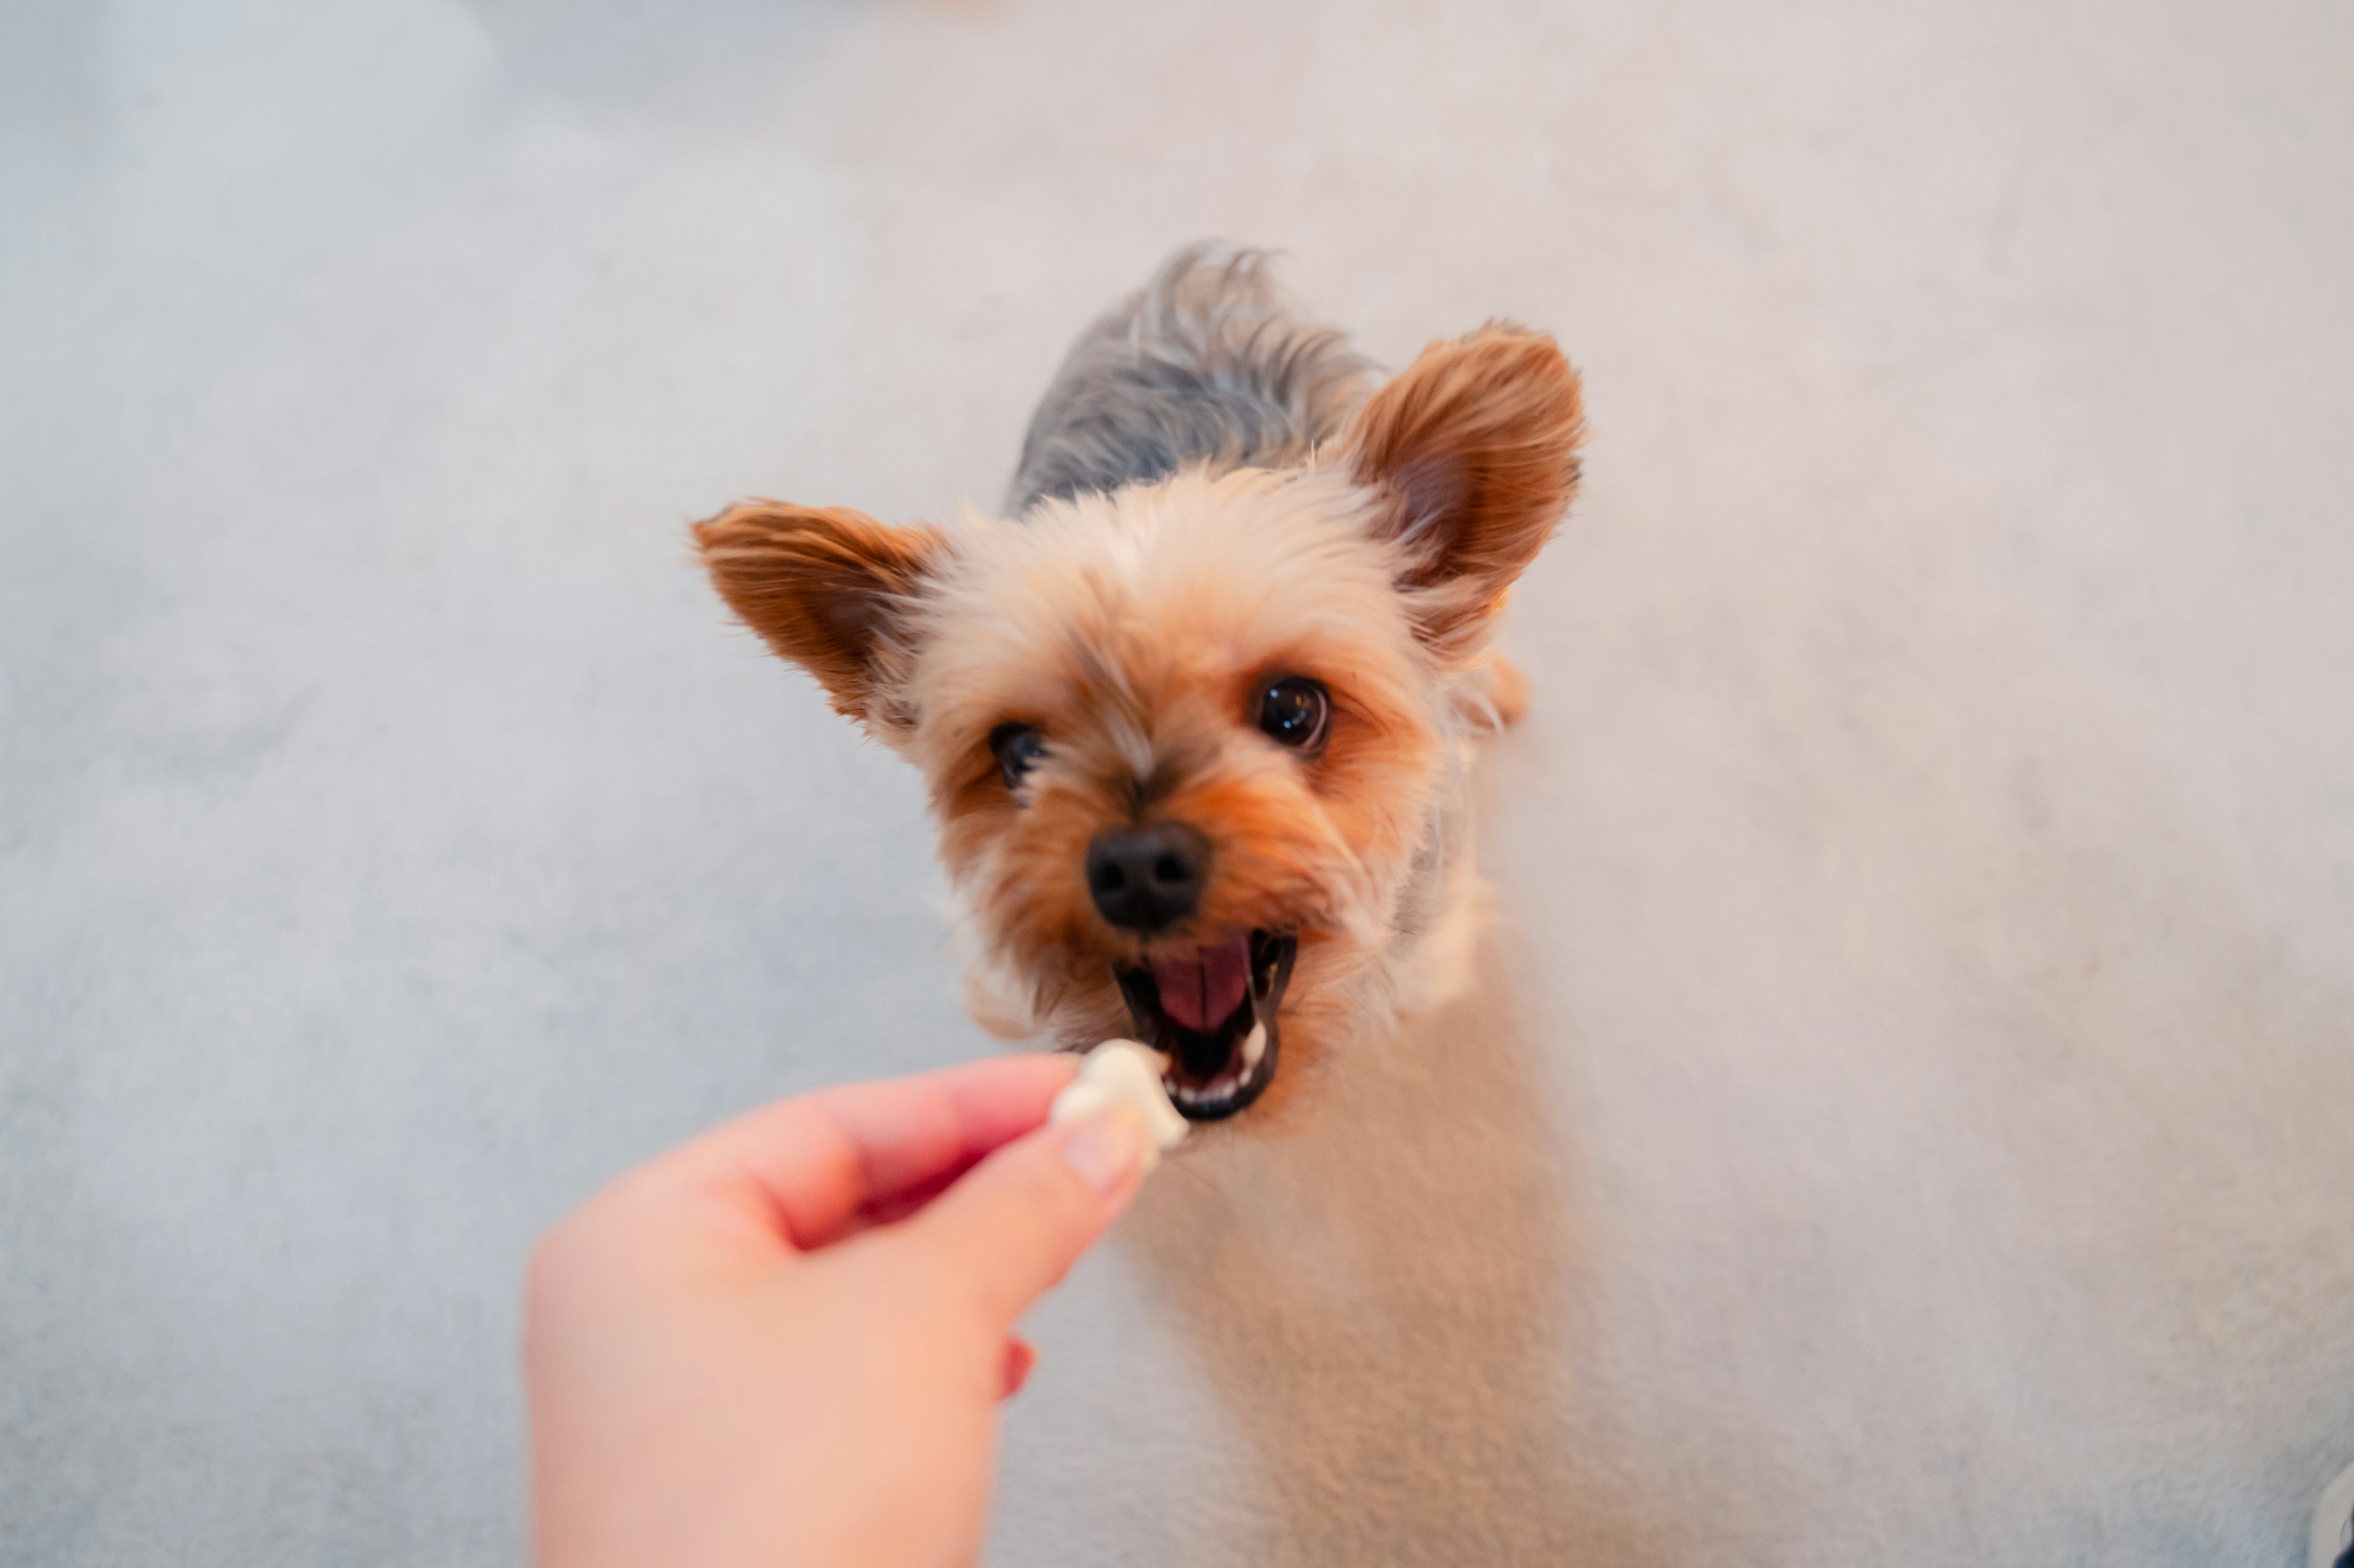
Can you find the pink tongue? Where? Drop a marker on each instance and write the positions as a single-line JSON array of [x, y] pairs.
[[1203, 989]]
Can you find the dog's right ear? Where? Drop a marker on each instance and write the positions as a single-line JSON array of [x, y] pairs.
[[830, 589]]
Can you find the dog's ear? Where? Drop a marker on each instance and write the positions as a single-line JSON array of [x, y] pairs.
[[1473, 450], [830, 590]]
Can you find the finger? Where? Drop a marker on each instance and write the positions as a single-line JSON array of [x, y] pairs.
[[1020, 1357], [818, 1165], [1015, 1223]]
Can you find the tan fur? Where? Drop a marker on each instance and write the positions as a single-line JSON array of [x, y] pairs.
[[821, 586], [1136, 630], [1474, 450]]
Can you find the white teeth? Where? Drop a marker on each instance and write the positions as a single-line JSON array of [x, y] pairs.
[[1218, 1088], [1227, 1084]]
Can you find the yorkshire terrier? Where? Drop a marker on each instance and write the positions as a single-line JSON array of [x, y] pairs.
[[1195, 713]]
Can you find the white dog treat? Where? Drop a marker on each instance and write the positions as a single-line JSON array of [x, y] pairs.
[[1121, 1071]]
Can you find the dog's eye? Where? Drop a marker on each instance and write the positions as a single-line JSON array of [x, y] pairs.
[[1018, 747], [1295, 711]]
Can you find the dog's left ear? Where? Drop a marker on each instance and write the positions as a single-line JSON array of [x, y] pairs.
[[1473, 449]]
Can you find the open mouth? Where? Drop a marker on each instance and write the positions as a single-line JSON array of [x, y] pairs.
[[1210, 1011]]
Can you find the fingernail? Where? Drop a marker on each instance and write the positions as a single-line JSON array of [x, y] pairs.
[[1106, 1148]]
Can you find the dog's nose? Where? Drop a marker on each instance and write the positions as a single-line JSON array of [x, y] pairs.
[[1147, 878]]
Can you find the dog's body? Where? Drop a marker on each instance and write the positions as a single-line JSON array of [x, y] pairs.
[[1206, 366], [1195, 718]]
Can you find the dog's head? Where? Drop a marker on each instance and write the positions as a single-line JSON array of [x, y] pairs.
[[1185, 740]]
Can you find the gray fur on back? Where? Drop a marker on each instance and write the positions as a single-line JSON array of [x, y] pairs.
[[1207, 364]]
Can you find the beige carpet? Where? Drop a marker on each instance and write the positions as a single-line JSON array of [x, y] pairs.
[[1910, 1115]]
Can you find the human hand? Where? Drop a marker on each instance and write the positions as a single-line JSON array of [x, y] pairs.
[[784, 1342]]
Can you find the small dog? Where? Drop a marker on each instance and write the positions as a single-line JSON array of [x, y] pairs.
[[1195, 714]]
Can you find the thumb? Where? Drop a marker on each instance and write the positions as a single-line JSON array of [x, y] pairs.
[[1014, 1225]]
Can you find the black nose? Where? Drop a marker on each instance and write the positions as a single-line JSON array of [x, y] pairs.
[[1147, 878]]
